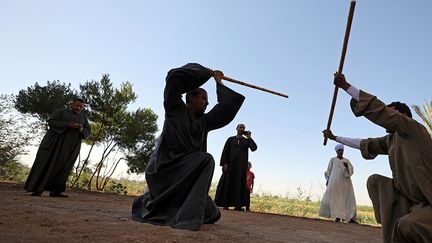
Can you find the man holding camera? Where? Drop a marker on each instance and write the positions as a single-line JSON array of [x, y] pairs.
[[231, 190]]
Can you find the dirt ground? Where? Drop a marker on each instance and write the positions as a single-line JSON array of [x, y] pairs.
[[99, 217]]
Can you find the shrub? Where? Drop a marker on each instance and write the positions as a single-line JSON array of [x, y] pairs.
[[115, 187], [13, 171]]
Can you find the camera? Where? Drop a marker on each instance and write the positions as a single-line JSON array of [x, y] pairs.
[[246, 132]]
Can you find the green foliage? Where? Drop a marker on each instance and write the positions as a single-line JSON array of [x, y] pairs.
[[15, 131], [13, 171], [42, 101], [132, 187], [366, 218], [425, 115], [120, 186], [115, 187], [107, 106], [138, 138], [286, 206], [79, 182], [117, 130], [301, 206]]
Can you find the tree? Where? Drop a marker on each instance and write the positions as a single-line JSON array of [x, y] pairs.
[[138, 138], [42, 101], [15, 133], [114, 128], [426, 116]]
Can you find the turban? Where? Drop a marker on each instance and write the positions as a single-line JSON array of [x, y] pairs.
[[339, 146]]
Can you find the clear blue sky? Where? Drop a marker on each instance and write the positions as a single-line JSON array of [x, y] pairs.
[[289, 46]]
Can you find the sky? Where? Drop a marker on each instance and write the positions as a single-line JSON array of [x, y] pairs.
[[292, 47]]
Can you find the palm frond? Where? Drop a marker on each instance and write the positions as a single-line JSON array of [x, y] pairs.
[[425, 114]]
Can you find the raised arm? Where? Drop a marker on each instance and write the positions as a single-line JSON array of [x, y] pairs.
[[229, 103], [369, 106], [181, 80], [370, 148]]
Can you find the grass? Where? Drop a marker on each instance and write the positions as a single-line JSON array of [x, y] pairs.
[[299, 206], [302, 208]]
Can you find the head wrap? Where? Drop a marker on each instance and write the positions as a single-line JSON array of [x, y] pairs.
[[339, 146]]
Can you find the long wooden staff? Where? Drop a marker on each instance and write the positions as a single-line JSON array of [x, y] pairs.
[[253, 86], [341, 63]]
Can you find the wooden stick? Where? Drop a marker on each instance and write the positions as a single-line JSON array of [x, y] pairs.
[[341, 63], [253, 86]]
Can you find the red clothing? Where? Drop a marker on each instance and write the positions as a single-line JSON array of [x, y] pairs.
[[249, 180]]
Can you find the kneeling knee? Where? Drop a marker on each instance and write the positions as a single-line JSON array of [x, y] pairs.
[[208, 158], [373, 180]]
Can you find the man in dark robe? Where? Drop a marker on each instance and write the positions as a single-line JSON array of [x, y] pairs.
[[58, 151], [180, 171], [231, 190], [402, 204]]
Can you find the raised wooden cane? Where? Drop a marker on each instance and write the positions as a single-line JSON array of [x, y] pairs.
[[341, 63], [253, 86]]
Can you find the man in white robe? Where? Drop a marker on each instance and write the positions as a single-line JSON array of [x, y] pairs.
[[339, 201]]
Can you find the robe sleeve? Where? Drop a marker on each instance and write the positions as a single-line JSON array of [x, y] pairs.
[[85, 132], [327, 173], [377, 112], [229, 103], [56, 124], [182, 80], [225, 153], [372, 147], [252, 145], [348, 171]]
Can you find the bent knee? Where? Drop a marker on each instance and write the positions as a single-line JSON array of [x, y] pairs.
[[207, 158], [373, 180]]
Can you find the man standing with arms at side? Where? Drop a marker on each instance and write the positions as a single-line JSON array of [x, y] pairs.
[[402, 204], [58, 151], [339, 201], [231, 190]]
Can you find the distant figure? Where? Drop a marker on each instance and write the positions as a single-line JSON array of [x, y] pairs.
[[402, 204], [231, 190], [339, 201], [180, 170], [58, 151], [250, 177]]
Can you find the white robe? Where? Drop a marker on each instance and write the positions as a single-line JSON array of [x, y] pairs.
[[339, 200]]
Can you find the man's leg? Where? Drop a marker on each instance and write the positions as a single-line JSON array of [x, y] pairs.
[[248, 201], [416, 226], [389, 205]]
